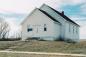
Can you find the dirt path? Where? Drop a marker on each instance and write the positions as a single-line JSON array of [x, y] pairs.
[[43, 53]]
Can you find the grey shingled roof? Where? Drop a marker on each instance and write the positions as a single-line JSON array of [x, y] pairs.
[[49, 16], [64, 16]]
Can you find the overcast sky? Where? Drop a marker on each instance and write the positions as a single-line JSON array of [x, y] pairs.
[[14, 11]]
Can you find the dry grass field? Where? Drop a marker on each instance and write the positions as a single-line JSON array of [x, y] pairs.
[[50, 46], [44, 46], [7, 44]]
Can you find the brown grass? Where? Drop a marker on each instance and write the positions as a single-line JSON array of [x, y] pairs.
[[45, 46], [7, 44], [51, 46]]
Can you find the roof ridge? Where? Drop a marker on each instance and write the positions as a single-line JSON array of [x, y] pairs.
[[49, 16], [64, 16]]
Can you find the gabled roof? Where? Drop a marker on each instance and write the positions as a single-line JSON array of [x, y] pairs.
[[62, 15], [43, 13], [49, 16], [28, 16]]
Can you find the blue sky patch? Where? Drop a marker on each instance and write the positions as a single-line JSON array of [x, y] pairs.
[[73, 10]]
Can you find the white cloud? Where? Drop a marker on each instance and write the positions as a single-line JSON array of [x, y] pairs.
[[25, 6], [83, 9], [20, 6], [73, 2]]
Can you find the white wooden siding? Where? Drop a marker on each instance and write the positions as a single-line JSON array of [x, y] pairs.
[[65, 34], [38, 18]]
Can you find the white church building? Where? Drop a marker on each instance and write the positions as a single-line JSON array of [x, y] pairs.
[[48, 24]]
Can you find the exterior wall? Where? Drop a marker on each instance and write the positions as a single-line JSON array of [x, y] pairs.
[[57, 30], [71, 32], [56, 16], [65, 34], [36, 21]]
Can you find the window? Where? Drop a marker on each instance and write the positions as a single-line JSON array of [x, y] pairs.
[[45, 29], [76, 30], [30, 29]]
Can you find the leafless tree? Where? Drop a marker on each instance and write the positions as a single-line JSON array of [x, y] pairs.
[[4, 29], [17, 35]]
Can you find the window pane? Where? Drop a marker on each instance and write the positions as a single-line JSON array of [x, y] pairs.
[[30, 29], [45, 29]]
